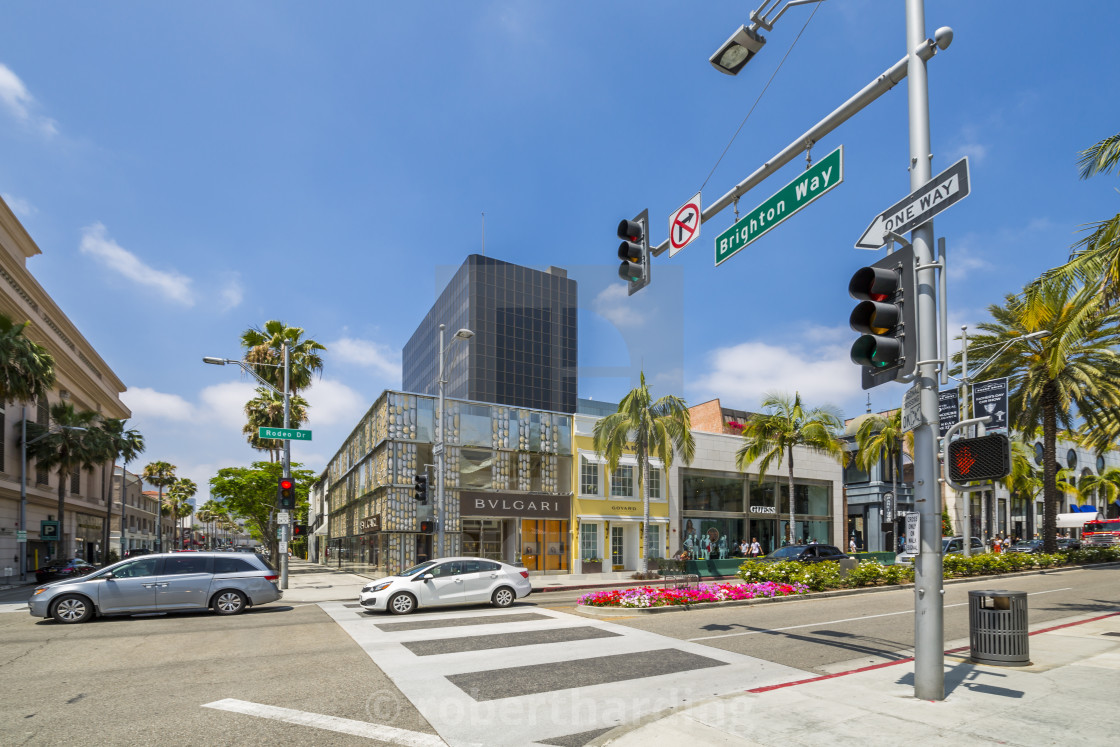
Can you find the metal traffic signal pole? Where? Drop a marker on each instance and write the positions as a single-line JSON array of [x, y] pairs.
[[929, 611], [285, 529]]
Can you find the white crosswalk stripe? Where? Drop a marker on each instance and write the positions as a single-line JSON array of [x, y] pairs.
[[522, 675]]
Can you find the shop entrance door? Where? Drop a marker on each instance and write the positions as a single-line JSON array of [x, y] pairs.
[[617, 547], [763, 530], [544, 544], [483, 538]]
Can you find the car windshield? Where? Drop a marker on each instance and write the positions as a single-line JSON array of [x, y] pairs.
[[418, 568], [788, 551], [1025, 543]]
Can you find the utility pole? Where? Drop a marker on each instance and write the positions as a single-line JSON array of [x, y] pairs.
[[287, 528], [439, 450]]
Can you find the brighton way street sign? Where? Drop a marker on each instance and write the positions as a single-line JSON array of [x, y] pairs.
[[811, 184], [946, 189]]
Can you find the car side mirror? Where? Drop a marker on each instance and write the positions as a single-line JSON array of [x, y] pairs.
[[108, 576], [424, 577]]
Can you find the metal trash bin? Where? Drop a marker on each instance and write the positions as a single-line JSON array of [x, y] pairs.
[[997, 628]]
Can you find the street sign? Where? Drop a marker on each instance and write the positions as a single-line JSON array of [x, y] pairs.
[[48, 530], [811, 184], [283, 518], [283, 548], [948, 410], [21, 535], [911, 408], [913, 541], [990, 398], [946, 189], [288, 434], [888, 507], [684, 225]]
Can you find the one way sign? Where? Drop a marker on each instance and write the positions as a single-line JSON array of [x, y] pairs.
[[947, 188]]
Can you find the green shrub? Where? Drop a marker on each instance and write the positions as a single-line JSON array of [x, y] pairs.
[[868, 573], [898, 574], [817, 576]]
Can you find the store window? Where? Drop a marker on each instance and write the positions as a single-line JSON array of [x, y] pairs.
[[711, 493], [653, 541], [711, 538], [588, 541], [475, 468], [654, 483], [622, 481], [1071, 459], [588, 476]]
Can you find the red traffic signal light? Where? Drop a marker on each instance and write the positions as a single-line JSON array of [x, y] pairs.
[[287, 493], [886, 348], [299, 530], [425, 527], [634, 252], [983, 458]]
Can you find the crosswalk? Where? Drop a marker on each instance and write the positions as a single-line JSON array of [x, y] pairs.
[[528, 675]]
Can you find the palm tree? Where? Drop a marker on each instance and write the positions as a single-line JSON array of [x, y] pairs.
[[119, 444], [68, 443], [1073, 370], [264, 351], [1095, 260], [771, 437], [659, 428], [178, 504], [880, 435], [266, 410], [1106, 484], [160, 474], [1024, 481], [26, 368]]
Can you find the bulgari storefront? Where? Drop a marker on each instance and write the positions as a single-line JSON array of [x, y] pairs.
[[528, 530]]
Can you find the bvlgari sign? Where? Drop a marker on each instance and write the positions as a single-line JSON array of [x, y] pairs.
[[371, 523], [473, 503]]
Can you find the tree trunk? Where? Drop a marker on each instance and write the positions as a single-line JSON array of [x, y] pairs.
[[1050, 495], [159, 521], [61, 509], [109, 513], [643, 461], [791, 524]]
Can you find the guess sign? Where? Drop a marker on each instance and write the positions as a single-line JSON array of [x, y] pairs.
[[763, 510]]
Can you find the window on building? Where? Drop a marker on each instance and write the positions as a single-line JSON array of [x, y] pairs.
[[76, 481], [588, 476], [588, 541], [653, 541], [622, 481], [654, 483]]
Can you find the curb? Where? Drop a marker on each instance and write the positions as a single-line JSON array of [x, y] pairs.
[[627, 611]]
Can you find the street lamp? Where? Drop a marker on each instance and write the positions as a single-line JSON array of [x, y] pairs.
[[462, 334], [248, 368], [741, 47], [966, 380], [23, 444]]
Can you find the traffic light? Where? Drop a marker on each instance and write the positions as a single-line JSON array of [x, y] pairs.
[[634, 252], [420, 486], [982, 458], [299, 530], [287, 493], [426, 527], [885, 315]]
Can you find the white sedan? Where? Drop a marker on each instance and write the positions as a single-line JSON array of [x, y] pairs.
[[447, 581]]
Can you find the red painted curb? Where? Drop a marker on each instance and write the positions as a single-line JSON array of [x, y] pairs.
[[911, 658]]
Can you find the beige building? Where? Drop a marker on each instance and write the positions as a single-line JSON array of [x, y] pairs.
[[83, 379]]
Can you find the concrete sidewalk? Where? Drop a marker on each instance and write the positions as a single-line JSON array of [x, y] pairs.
[[311, 582], [1067, 695]]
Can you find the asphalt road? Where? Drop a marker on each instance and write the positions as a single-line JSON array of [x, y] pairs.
[[144, 680], [845, 632]]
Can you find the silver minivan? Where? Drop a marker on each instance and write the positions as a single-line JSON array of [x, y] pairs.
[[171, 582]]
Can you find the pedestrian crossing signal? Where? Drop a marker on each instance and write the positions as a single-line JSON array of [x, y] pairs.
[[983, 458]]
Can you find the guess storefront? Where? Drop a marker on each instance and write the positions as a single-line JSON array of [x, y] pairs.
[[531, 530]]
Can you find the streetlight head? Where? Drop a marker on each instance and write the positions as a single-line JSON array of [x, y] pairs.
[[215, 361], [464, 334], [1038, 334], [944, 37], [737, 51]]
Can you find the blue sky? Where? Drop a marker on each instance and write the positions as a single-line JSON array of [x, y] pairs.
[[193, 169]]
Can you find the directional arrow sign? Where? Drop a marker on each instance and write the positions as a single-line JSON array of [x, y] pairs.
[[947, 188]]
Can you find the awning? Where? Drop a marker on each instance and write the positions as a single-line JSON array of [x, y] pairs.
[[1076, 520]]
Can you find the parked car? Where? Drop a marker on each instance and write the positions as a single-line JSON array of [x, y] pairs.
[[138, 551], [949, 546], [447, 581], [1068, 543], [63, 569], [1028, 546], [804, 554], [166, 582]]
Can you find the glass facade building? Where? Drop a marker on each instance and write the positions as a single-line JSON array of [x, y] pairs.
[[524, 351], [507, 486]]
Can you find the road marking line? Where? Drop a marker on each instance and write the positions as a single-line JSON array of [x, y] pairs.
[[390, 734], [849, 619]]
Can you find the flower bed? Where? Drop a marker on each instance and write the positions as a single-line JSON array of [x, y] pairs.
[[648, 596]]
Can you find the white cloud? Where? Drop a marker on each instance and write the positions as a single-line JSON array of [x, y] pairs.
[[381, 358], [612, 304], [148, 403], [15, 97], [742, 374], [224, 404], [232, 293], [334, 403], [19, 206], [96, 243]]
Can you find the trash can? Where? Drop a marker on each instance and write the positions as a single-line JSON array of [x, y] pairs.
[[997, 628]]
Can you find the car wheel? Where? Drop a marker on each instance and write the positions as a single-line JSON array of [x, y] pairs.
[[503, 597], [229, 603], [402, 603], [72, 609]]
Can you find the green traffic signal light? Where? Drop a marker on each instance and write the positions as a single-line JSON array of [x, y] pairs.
[[883, 316]]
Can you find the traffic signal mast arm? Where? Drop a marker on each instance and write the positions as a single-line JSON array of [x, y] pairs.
[[873, 90]]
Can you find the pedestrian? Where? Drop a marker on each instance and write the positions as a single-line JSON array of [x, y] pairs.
[[755, 548], [852, 544], [997, 545], [744, 548]]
